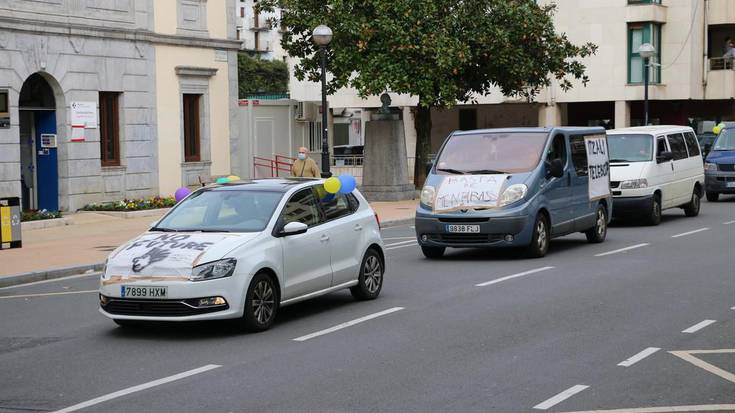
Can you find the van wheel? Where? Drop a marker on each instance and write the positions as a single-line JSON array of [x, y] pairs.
[[692, 208], [598, 233], [654, 215], [713, 196], [540, 239], [433, 252], [261, 304], [370, 279]]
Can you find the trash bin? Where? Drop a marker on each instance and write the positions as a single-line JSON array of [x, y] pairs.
[[10, 215]]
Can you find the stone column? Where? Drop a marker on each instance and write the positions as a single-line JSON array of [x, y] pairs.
[[549, 115], [385, 166], [622, 114]]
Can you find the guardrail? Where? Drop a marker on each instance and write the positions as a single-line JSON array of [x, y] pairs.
[[721, 63], [274, 167]]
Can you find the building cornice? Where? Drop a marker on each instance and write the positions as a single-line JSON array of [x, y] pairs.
[[136, 35], [195, 71]]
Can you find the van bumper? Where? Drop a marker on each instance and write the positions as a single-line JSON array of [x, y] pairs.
[[431, 231], [719, 182], [631, 204]]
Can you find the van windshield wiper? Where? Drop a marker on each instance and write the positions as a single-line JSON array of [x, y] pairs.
[[451, 171], [160, 229], [204, 230], [619, 160], [486, 172]]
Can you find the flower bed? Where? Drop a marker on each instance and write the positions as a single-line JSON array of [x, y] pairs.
[[132, 204], [38, 215]]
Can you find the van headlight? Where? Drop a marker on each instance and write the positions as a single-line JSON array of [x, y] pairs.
[[427, 196], [712, 167], [213, 270], [634, 184], [513, 193]]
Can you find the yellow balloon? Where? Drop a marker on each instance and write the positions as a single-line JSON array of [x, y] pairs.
[[233, 178], [332, 185], [717, 129]]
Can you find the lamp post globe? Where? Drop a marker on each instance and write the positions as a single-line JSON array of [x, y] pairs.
[[646, 51], [322, 36]]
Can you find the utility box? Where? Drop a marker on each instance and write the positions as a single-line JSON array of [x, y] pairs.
[[10, 215]]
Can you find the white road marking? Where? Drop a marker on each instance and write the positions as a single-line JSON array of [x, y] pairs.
[[53, 280], [668, 409], [394, 238], [699, 326], [560, 397], [632, 247], [687, 356], [48, 294], [138, 388], [510, 277], [348, 324], [400, 243], [413, 244], [733, 308], [638, 357], [729, 223], [690, 233]]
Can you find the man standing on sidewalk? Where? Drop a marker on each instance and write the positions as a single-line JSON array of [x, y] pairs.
[[304, 166]]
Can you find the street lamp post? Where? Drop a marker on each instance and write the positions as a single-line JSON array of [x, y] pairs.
[[646, 51], [322, 36]]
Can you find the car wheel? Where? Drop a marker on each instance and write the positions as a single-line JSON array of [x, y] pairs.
[[261, 304], [713, 196], [370, 279], [433, 252], [654, 215], [598, 233], [541, 238], [692, 208]]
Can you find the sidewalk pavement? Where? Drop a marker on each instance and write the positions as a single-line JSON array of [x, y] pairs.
[[85, 243]]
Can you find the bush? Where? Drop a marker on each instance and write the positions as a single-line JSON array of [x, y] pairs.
[[132, 204], [37, 215]]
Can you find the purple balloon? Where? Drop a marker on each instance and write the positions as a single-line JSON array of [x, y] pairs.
[[181, 193]]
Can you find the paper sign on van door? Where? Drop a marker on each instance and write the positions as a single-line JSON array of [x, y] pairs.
[[469, 192], [598, 163]]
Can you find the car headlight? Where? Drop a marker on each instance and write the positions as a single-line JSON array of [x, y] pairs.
[[712, 167], [213, 270], [427, 196], [634, 184], [513, 193]]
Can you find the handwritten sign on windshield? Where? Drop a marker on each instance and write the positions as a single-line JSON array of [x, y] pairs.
[[599, 166], [469, 192]]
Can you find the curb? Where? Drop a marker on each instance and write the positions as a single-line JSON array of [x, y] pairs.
[[131, 214], [45, 223], [29, 277]]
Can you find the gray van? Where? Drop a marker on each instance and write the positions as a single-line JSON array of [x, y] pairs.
[[515, 187]]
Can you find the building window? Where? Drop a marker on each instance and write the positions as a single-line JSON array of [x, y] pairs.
[[315, 136], [109, 128], [242, 11], [256, 42], [637, 35], [192, 149], [4, 110]]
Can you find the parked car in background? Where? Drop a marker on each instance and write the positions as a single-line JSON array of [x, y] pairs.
[[720, 166], [515, 187], [242, 250], [653, 168], [706, 140]]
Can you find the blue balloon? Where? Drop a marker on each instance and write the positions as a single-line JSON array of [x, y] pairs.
[[348, 184], [329, 198]]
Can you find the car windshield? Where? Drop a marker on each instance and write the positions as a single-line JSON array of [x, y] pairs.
[[630, 148], [222, 211], [726, 141], [489, 153]]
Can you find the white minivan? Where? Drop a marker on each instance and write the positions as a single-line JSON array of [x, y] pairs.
[[653, 168]]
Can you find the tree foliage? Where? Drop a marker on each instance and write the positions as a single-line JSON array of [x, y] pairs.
[[443, 51], [261, 76]]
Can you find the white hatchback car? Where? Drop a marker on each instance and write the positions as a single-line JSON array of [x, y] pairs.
[[241, 250]]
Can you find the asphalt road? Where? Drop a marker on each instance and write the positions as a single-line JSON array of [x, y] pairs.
[[535, 335]]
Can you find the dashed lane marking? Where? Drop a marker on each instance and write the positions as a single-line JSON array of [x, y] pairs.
[[560, 397], [638, 357], [693, 329], [690, 233], [348, 324], [632, 247], [510, 277]]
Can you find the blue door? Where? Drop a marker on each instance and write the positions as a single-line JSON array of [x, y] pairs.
[[559, 190], [47, 172]]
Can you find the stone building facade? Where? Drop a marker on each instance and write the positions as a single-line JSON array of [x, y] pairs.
[[89, 86]]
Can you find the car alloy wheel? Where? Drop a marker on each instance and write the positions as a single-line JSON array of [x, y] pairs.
[[373, 274], [541, 230], [370, 277], [263, 301], [261, 304]]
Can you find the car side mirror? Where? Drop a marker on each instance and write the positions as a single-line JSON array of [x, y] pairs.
[[294, 228], [554, 168], [664, 157]]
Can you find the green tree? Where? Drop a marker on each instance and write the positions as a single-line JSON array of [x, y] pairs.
[[261, 76], [442, 51]]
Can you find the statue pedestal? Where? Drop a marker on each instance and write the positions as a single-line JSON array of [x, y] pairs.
[[385, 166]]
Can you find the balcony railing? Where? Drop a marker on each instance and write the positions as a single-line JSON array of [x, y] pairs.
[[721, 63]]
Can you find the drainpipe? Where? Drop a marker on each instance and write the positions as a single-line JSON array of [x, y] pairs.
[[705, 63]]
